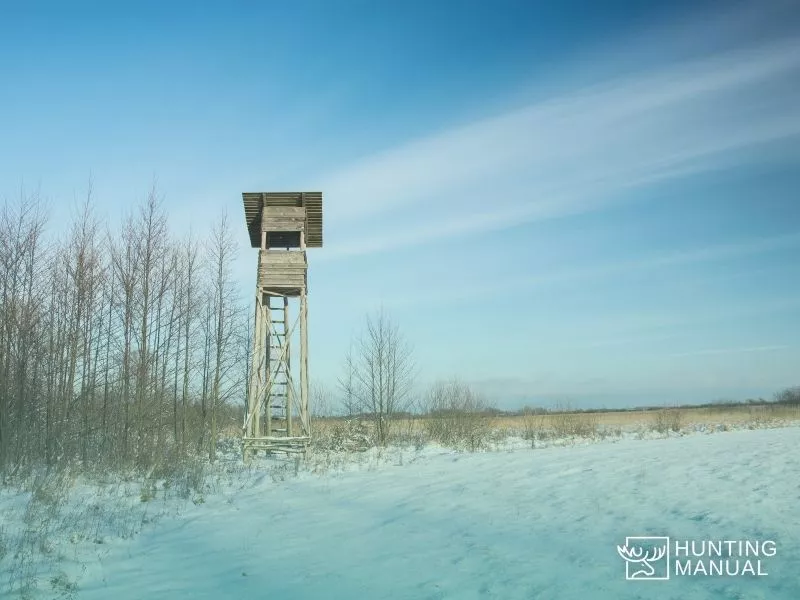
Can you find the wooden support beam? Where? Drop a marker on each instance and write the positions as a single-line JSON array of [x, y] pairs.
[[270, 374], [305, 416], [288, 355]]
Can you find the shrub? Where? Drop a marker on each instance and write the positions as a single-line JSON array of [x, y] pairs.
[[63, 586], [457, 416], [349, 436], [789, 396], [533, 426], [666, 420], [148, 491], [574, 424]]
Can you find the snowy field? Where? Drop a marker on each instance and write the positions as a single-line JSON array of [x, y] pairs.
[[432, 523]]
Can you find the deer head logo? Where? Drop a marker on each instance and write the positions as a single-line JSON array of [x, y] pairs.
[[641, 554]]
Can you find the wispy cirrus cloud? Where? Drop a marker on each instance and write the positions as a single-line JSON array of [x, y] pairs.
[[645, 329], [606, 271], [569, 154], [747, 350]]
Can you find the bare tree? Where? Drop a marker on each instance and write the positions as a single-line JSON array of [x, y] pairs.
[[126, 272], [225, 314], [21, 225], [321, 400], [189, 314], [382, 370], [84, 271], [348, 386], [151, 240]]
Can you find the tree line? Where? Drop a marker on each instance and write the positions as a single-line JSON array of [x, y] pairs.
[[122, 345]]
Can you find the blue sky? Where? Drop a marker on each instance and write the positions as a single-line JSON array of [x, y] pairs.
[[576, 202]]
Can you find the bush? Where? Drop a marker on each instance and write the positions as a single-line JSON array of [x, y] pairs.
[[574, 424], [63, 586], [457, 416], [147, 491], [350, 436], [533, 426], [666, 420], [789, 396]]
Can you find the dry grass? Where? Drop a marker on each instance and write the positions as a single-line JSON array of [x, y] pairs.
[[473, 430], [610, 420], [588, 423], [730, 415]]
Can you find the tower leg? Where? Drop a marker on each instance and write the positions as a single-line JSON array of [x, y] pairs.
[[305, 416], [269, 325], [256, 378], [261, 363], [289, 395]]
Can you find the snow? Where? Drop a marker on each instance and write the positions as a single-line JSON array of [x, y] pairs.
[[431, 523]]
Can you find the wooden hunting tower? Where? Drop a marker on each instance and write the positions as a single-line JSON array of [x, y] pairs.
[[281, 226]]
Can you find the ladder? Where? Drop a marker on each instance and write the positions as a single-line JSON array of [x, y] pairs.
[[279, 400]]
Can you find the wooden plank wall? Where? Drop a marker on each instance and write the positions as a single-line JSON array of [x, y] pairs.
[[283, 218], [277, 269]]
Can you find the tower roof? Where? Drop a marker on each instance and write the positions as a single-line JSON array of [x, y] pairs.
[[254, 203]]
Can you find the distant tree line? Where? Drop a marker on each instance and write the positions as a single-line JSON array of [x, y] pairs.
[[118, 345]]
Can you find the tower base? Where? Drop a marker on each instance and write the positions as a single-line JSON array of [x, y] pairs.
[[288, 445]]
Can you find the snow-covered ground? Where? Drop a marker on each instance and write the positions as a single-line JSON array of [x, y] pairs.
[[431, 523]]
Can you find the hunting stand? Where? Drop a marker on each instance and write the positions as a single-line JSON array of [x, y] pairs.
[[281, 226]]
